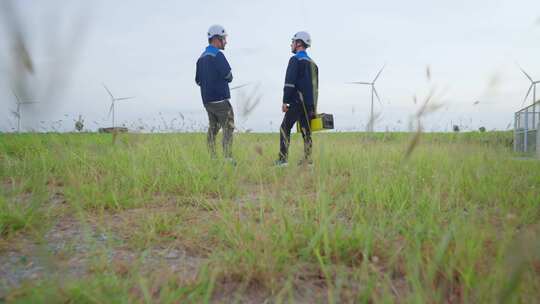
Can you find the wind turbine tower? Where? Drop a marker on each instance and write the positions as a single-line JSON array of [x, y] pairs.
[[113, 102], [18, 112], [373, 94]]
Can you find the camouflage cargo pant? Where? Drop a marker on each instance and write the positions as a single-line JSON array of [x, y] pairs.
[[220, 115]]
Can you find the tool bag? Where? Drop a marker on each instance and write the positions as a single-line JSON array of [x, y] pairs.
[[321, 122]]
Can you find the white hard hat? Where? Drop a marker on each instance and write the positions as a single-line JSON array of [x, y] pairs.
[[304, 36], [216, 30]]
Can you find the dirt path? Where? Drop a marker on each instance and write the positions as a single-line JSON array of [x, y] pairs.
[[70, 248]]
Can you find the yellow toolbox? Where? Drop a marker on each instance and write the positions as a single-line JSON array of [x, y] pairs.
[[321, 122]]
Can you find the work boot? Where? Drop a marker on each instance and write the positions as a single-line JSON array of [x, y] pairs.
[[281, 163]]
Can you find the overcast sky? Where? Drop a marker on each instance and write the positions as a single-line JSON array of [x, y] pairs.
[[148, 49]]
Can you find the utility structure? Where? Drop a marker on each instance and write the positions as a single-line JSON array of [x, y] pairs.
[[18, 113], [373, 95], [527, 129], [527, 121], [113, 102]]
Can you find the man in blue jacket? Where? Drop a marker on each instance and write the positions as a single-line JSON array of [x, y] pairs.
[[213, 76], [299, 97]]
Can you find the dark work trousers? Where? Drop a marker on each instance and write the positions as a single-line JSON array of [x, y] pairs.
[[220, 115], [296, 113]]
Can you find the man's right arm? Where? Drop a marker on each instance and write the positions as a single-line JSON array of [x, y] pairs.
[[223, 67]]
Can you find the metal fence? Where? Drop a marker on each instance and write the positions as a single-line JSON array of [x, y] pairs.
[[526, 122]]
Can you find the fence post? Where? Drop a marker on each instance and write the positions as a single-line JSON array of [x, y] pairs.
[[534, 115], [538, 139], [526, 132], [516, 115]]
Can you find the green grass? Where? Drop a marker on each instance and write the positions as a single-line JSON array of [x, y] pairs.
[[458, 221]]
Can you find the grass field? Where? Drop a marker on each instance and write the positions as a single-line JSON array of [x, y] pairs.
[[154, 219]]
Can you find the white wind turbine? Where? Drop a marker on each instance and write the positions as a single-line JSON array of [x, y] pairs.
[[113, 102], [531, 88], [373, 94], [18, 113]]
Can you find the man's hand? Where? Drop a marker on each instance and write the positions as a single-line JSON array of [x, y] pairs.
[[284, 108]]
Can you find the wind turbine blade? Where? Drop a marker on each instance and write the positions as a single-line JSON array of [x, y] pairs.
[[359, 82], [377, 95], [528, 92], [124, 98], [16, 114], [379, 74], [240, 86], [108, 91], [528, 76]]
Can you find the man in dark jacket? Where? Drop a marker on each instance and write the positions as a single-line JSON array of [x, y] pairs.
[[213, 76], [299, 97]]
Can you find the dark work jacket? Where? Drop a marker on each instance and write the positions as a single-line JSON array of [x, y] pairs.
[[302, 81], [213, 75]]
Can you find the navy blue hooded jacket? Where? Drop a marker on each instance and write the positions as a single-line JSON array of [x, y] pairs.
[[302, 79], [213, 75]]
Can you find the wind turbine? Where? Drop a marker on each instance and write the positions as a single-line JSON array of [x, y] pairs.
[[18, 112], [532, 87], [113, 101], [373, 94]]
